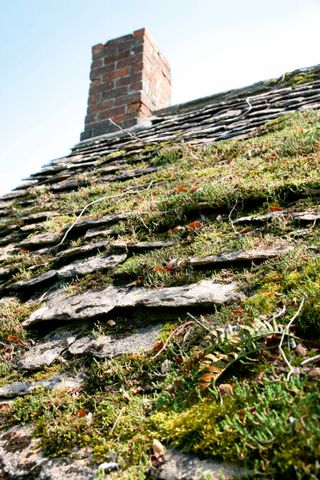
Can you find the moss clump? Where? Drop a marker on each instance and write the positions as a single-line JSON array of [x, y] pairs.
[[271, 427], [13, 312], [287, 281]]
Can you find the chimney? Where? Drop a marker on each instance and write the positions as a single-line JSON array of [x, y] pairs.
[[129, 80]]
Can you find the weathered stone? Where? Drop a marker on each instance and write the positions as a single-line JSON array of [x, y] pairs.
[[183, 466], [12, 195], [56, 382], [97, 232], [241, 256], [141, 246], [114, 167], [78, 307], [30, 227], [79, 252], [204, 293], [94, 304], [6, 272], [21, 457], [101, 222], [7, 229], [40, 240], [303, 217], [260, 219], [37, 217], [11, 238], [38, 282], [48, 350], [306, 217], [107, 346], [83, 267], [127, 174], [78, 268], [70, 184]]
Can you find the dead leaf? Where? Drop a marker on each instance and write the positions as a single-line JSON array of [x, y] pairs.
[[159, 269], [111, 323], [137, 390], [170, 266], [314, 373], [16, 339], [82, 412], [245, 230], [156, 347], [158, 449], [194, 225], [210, 373], [177, 229], [275, 208], [89, 419], [301, 350], [165, 366], [126, 397], [226, 389], [180, 188], [271, 294]]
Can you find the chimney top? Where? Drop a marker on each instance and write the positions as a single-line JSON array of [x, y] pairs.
[[129, 80]]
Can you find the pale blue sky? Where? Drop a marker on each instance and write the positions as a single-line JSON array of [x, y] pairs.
[[45, 55]]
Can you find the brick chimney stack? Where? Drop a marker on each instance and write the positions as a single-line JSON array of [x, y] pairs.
[[129, 80]]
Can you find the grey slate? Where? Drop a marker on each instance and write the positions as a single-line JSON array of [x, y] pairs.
[[93, 304]]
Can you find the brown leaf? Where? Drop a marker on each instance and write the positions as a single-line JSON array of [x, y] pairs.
[[158, 449], [194, 225], [16, 339], [314, 373], [275, 208], [111, 323], [156, 347], [226, 389], [159, 269], [301, 350], [82, 412], [210, 373], [126, 397], [245, 230], [180, 188]]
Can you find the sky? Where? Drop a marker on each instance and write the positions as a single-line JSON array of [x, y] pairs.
[[211, 45]]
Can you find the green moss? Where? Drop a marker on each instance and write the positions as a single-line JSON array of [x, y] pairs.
[[273, 427], [13, 312]]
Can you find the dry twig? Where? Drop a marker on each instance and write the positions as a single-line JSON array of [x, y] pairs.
[[284, 333], [117, 420], [132, 135], [311, 360], [177, 330]]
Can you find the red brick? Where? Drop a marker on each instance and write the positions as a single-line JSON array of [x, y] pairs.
[[116, 92], [97, 50], [135, 86], [139, 33], [129, 78], [120, 82], [127, 99], [99, 107], [137, 67], [120, 118]]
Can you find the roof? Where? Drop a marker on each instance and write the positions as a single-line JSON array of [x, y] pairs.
[[149, 283]]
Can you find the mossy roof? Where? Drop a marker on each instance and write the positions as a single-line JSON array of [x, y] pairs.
[[205, 223]]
